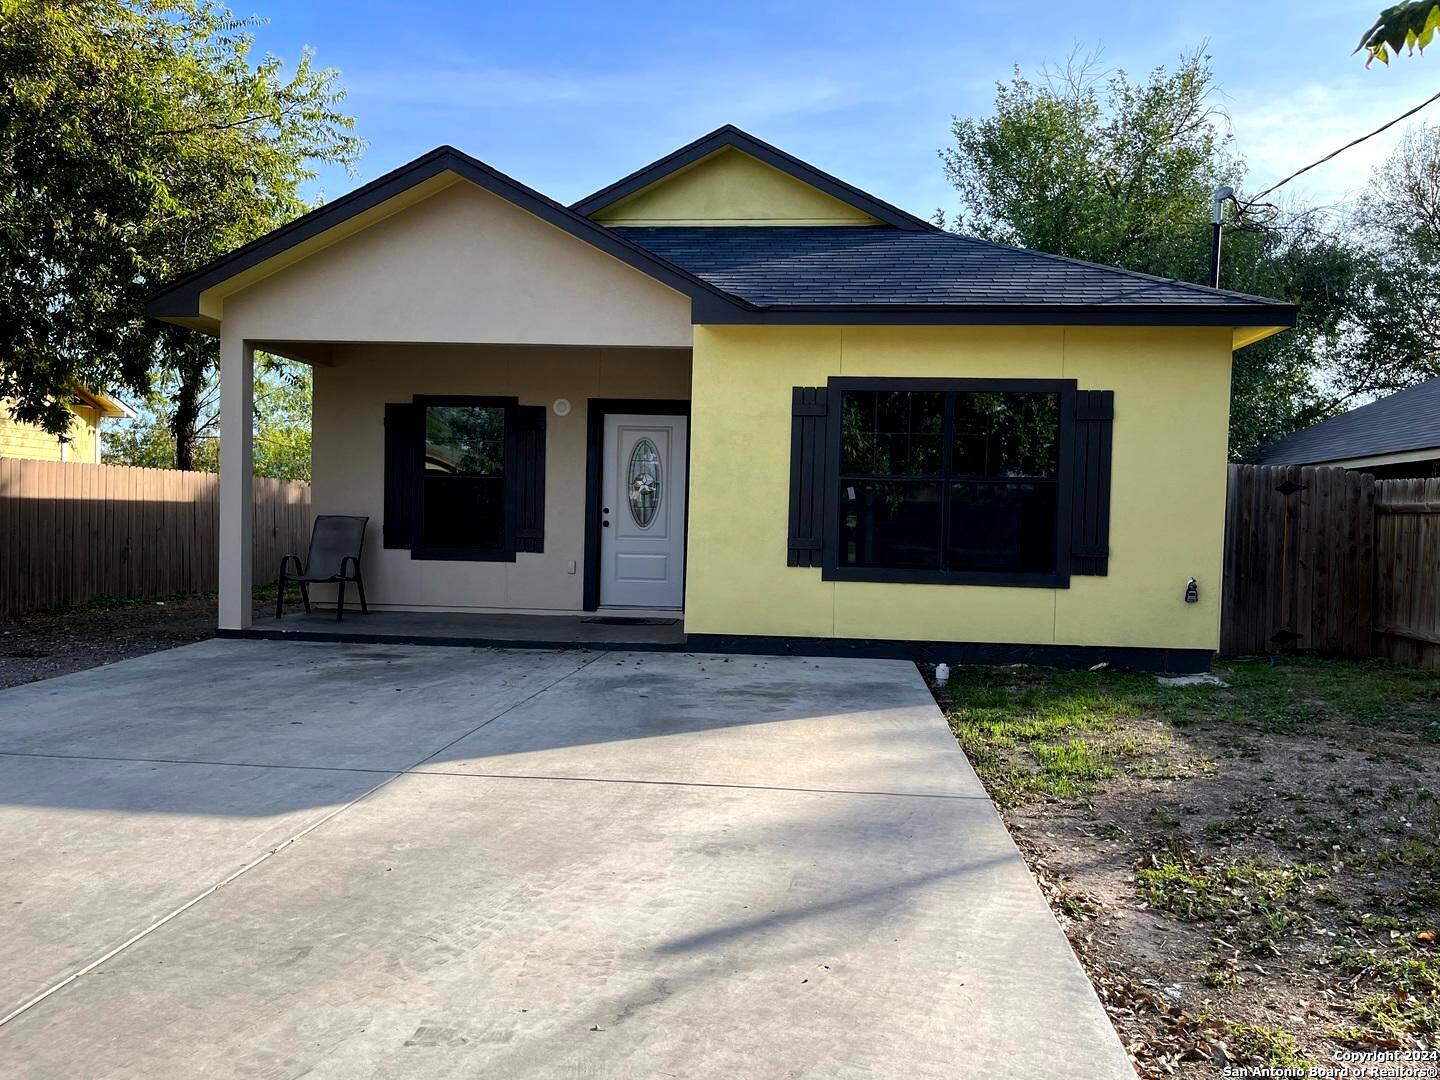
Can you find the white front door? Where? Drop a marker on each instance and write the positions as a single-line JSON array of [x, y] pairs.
[[642, 512]]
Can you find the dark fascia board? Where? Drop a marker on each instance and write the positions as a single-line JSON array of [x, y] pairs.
[[732, 137], [181, 298], [1002, 314]]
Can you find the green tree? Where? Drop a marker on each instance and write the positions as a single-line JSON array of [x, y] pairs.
[[138, 140], [1407, 26], [1120, 172], [283, 395], [1393, 339]]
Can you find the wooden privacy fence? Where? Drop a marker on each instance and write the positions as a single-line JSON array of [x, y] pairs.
[[1332, 561], [71, 532], [1407, 562]]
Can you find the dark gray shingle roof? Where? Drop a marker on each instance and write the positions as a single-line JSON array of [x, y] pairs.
[[818, 265], [1404, 421]]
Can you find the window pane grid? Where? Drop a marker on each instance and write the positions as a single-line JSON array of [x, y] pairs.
[[991, 506]]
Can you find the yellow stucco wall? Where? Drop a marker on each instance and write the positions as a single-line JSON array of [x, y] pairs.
[[731, 188], [1172, 389], [29, 441]]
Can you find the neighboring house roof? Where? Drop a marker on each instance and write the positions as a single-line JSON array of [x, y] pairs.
[[845, 267], [108, 407], [732, 138], [1404, 422], [903, 270]]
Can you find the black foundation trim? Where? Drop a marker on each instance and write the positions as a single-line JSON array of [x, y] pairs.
[[1166, 661], [1174, 661]]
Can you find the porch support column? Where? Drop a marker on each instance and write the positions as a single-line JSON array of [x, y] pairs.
[[237, 409]]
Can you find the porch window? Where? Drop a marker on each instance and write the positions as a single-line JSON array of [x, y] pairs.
[[951, 481], [462, 497], [464, 478]]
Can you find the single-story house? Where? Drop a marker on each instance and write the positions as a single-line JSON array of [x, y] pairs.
[[734, 388], [88, 409], [1397, 437]]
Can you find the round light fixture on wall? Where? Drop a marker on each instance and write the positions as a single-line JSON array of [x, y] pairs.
[[561, 406]]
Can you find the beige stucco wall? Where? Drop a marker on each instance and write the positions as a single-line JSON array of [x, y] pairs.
[[349, 464], [462, 266]]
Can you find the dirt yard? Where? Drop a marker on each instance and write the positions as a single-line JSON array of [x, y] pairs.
[[48, 643], [1251, 874]]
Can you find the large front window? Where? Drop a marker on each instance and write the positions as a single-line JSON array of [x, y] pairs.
[[952, 480]]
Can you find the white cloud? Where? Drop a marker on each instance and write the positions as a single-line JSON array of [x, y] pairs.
[[1293, 130]]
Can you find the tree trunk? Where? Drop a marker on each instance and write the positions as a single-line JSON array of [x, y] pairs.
[[187, 412]]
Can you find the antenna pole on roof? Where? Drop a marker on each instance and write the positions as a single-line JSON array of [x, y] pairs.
[[1217, 227]]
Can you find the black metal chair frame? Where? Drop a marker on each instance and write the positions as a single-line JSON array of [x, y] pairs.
[[304, 579]]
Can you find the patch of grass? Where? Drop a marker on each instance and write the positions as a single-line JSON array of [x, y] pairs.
[[1078, 906], [1210, 892], [1222, 973], [1034, 734], [1291, 695], [1257, 1045], [1037, 733], [1258, 900], [1403, 991]]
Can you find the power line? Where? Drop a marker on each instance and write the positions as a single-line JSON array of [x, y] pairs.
[[1353, 142]]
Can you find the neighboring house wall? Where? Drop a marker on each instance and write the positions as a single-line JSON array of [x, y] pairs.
[[1172, 390], [29, 441], [349, 457], [732, 188]]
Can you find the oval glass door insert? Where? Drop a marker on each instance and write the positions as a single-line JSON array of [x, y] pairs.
[[644, 476]]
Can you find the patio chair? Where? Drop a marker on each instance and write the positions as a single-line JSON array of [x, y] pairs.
[[335, 545]]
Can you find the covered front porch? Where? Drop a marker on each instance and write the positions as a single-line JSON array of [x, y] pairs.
[[494, 480], [467, 337]]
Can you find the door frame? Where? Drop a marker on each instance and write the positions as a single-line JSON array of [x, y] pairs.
[[596, 411]]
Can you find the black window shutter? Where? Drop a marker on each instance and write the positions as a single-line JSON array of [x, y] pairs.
[[529, 480], [809, 417], [1090, 496], [402, 472]]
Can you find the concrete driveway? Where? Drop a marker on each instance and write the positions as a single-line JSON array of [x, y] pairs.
[[275, 859]]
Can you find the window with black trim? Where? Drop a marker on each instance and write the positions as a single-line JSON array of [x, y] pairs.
[[950, 480]]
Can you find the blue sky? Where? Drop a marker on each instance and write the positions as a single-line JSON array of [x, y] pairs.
[[568, 97]]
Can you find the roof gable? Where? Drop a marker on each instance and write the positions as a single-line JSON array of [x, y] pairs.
[[731, 188], [712, 188], [196, 300], [464, 266]]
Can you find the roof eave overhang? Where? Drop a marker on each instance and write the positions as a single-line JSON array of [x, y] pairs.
[[1251, 323], [108, 407], [185, 303]]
